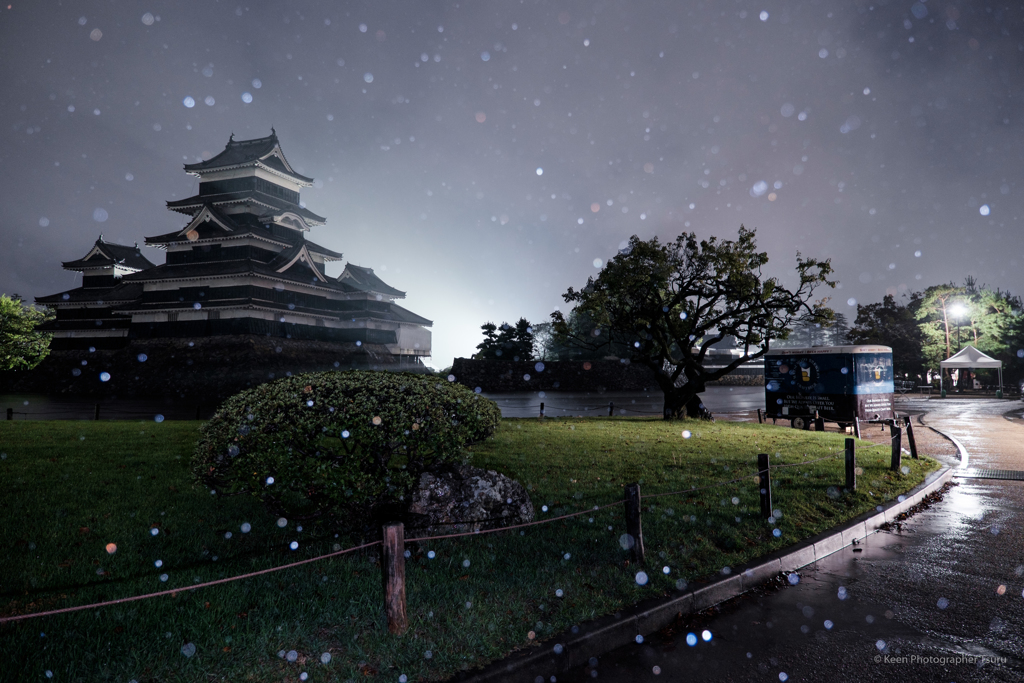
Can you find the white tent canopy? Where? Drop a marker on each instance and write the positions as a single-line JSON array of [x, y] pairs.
[[970, 357]]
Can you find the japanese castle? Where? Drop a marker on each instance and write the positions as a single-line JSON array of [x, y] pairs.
[[241, 266]]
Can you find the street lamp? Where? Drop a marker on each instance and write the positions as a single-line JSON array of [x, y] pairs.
[[957, 310]]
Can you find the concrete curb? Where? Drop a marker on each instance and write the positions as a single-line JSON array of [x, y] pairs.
[[607, 633], [961, 451]]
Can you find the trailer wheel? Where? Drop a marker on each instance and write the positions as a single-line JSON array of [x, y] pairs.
[[798, 423]]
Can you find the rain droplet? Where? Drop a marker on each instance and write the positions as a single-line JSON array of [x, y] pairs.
[[247, 97], [793, 578], [705, 635], [691, 639], [943, 603], [641, 578], [764, 15], [104, 376], [257, 83], [368, 77], [540, 171], [210, 101], [984, 210], [44, 221], [246, 527], [292, 655], [100, 214], [598, 263], [282, 522], [147, 19], [828, 624], [188, 649], [158, 418], [639, 638], [270, 480], [325, 658], [294, 545]]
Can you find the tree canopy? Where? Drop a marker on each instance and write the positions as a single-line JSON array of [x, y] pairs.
[[22, 347], [893, 324], [509, 342], [675, 301]]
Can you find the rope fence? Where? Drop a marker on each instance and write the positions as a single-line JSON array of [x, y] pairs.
[[393, 541]]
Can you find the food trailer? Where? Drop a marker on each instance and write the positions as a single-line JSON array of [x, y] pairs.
[[839, 383]]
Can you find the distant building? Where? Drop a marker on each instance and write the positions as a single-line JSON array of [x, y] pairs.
[[241, 266]]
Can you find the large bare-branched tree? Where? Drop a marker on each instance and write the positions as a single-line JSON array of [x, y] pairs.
[[673, 302]]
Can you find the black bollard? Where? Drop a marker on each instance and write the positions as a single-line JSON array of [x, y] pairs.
[[10, 413], [542, 409], [819, 422], [760, 418], [851, 465], [611, 408], [897, 443], [633, 525], [97, 414], [764, 481], [910, 438]]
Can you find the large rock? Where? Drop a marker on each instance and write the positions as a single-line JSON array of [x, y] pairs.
[[466, 498]]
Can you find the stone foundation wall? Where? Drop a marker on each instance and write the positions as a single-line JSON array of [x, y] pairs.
[[206, 368]]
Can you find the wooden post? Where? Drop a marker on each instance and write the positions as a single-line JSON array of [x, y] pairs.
[[765, 482], [910, 438], [851, 465], [97, 414], [856, 426], [633, 525], [760, 419], [10, 413], [393, 565], [611, 408], [819, 422], [897, 443], [542, 408]]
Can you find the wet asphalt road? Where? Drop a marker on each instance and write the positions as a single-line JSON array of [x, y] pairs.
[[941, 599]]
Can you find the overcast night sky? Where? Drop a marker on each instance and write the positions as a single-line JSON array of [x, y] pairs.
[[483, 156]]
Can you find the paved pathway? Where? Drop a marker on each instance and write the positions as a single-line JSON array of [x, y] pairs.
[[941, 599]]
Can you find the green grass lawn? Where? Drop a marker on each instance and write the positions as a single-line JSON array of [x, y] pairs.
[[71, 488]]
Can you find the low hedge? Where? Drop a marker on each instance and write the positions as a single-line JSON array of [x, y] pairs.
[[345, 446]]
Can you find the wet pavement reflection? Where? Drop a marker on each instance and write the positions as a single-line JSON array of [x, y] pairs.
[[939, 598], [721, 400]]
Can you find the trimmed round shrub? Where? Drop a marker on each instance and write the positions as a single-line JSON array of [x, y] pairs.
[[348, 447]]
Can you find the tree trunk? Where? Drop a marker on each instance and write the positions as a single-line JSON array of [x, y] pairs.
[[683, 402]]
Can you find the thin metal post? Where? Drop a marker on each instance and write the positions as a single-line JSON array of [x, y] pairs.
[[633, 523], [910, 438], [851, 465], [819, 422], [393, 565], [897, 443], [856, 426], [765, 482], [760, 418]]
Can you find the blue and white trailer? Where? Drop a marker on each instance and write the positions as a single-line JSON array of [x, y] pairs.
[[838, 383]]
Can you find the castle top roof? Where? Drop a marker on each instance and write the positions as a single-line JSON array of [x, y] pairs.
[[265, 151]]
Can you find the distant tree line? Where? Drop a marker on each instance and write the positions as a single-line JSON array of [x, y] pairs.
[[924, 328]]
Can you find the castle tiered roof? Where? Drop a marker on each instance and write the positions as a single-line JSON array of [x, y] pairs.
[[265, 152], [104, 255]]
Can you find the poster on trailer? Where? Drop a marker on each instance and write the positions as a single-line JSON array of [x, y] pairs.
[[837, 382]]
